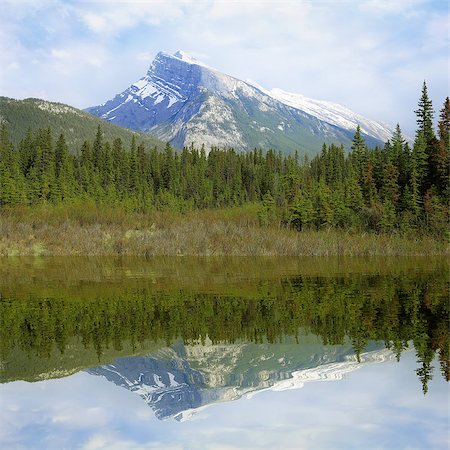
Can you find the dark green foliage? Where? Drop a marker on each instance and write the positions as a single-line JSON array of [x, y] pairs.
[[359, 153], [425, 114], [75, 124], [106, 314], [12, 182], [442, 155], [267, 213], [302, 211], [389, 189]]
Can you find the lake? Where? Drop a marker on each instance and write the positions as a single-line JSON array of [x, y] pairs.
[[222, 353]]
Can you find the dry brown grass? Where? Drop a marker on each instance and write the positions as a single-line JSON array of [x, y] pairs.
[[235, 232]]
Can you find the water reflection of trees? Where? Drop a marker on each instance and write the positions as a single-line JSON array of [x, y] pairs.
[[394, 309]]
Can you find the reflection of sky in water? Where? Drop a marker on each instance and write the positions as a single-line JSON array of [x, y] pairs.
[[379, 406]]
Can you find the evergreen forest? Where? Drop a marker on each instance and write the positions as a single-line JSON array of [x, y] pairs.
[[395, 188]]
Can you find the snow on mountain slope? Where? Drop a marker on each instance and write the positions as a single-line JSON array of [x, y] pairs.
[[333, 113], [182, 100]]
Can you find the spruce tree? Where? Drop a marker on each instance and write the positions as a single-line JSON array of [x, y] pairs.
[[353, 193], [323, 204], [267, 212], [425, 115], [302, 212], [388, 218], [369, 188], [390, 190], [419, 160], [400, 155], [358, 154], [86, 168], [12, 182], [64, 171], [442, 156], [411, 196], [97, 149], [27, 152]]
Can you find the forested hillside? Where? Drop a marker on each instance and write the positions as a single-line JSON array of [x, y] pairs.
[[20, 116], [382, 189]]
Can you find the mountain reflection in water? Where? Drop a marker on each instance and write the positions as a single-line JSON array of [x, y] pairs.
[[94, 352], [183, 333], [179, 381]]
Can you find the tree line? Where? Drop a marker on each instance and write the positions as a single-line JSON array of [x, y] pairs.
[[389, 188]]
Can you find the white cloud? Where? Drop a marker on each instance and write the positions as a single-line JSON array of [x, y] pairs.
[[114, 17], [389, 7], [95, 23]]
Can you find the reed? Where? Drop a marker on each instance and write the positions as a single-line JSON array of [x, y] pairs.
[[91, 231]]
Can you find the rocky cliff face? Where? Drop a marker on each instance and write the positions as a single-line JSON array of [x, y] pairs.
[[182, 101]]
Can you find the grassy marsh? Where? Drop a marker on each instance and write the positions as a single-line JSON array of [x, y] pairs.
[[91, 231]]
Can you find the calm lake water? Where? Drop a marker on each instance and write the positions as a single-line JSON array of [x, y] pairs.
[[308, 353]]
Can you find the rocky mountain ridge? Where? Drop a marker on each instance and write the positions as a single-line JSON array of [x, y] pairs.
[[183, 101]]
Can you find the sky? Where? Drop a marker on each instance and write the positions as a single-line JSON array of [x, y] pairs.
[[369, 55]]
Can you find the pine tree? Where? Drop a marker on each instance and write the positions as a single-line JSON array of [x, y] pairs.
[[302, 212], [267, 212], [425, 114], [442, 156], [324, 211], [390, 190], [353, 194], [419, 160], [369, 188], [44, 184], [27, 152], [411, 196], [358, 154], [64, 171], [86, 170], [134, 174], [12, 182], [400, 156], [97, 149], [388, 219], [107, 175]]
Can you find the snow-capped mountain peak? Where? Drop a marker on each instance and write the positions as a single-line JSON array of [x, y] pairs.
[[180, 54], [182, 100]]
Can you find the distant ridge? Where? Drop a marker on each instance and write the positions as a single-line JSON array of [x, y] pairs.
[[75, 124]]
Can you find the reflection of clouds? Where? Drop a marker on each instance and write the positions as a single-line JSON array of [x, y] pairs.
[[63, 413], [111, 441], [378, 406], [94, 416]]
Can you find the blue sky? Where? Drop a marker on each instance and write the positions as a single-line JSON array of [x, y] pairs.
[[369, 55]]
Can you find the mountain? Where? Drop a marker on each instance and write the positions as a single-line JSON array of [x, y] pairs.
[[182, 100], [178, 381], [77, 125]]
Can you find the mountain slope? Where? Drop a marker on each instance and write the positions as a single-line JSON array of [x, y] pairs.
[[77, 125], [182, 100]]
